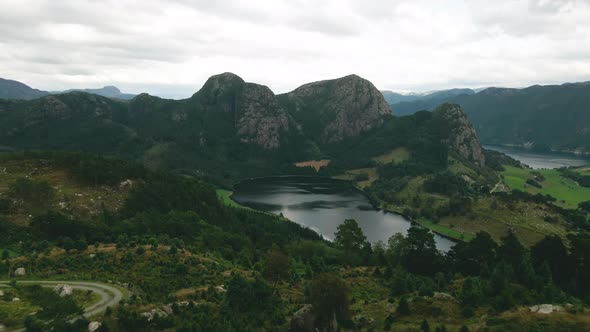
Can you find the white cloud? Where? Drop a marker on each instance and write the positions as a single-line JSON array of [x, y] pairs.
[[155, 46]]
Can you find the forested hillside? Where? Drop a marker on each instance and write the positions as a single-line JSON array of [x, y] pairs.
[[196, 264], [542, 117]]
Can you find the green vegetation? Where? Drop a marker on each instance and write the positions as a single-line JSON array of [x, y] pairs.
[[173, 239], [552, 116], [180, 244], [395, 156], [225, 196], [446, 231], [567, 192]]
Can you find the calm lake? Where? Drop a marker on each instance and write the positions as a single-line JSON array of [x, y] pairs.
[[539, 160], [322, 204]]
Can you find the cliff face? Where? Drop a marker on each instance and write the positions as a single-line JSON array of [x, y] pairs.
[[228, 118], [260, 119], [462, 137], [251, 109], [329, 111]]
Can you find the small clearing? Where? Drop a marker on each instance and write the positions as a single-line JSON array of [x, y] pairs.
[[315, 164], [395, 156]]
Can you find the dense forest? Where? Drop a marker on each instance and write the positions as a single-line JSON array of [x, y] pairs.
[[173, 233], [544, 117]]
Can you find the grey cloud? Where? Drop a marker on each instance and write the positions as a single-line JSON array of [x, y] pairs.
[[419, 44]]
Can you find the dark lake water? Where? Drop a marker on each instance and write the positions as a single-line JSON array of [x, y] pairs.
[[541, 160], [322, 204]]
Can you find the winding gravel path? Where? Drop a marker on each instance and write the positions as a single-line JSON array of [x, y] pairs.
[[109, 295]]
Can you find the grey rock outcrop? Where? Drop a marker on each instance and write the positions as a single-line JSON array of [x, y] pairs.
[[20, 272], [546, 308], [94, 326], [303, 319], [462, 137], [260, 119], [251, 110], [63, 290], [338, 109]]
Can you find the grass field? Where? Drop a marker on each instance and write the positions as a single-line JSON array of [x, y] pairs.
[[11, 253], [567, 192], [351, 174], [491, 215], [446, 231], [225, 196]]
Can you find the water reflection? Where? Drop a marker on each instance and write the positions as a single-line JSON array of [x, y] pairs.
[[322, 204], [541, 160]]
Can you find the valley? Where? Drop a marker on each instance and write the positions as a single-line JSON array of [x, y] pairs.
[[244, 204]]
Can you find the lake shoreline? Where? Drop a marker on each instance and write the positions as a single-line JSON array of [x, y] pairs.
[[375, 205]]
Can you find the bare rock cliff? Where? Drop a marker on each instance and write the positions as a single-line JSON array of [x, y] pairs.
[[332, 110], [462, 137]]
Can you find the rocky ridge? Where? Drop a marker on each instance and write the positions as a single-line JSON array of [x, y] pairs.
[[462, 137], [333, 110]]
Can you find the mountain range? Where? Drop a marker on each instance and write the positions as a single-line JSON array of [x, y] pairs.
[[243, 126], [555, 117], [10, 89], [433, 97]]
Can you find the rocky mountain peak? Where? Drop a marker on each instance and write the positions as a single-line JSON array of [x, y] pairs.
[[111, 89], [462, 137], [219, 88], [332, 110]]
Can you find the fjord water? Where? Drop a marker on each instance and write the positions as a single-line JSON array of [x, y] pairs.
[[541, 160], [322, 204]]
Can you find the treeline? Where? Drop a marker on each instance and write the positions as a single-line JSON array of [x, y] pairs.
[[581, 179]]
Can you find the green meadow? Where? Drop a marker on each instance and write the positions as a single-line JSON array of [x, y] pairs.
[[567, 192]]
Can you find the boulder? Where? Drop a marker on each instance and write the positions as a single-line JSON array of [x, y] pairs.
[[94, 326], [1, 293], [2, 328], [159, 313], [168, 309], [63, 290], [126, 184], [147, 315], [16, 299], [443, 296], [545, 308], [20, 272], [303, 319]]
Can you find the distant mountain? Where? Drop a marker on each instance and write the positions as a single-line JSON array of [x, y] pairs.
[[10, 89], [107, 91], [409, 104], [542, 117], [395, 97]]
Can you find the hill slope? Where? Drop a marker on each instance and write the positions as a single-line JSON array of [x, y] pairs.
[[106, 91], [410, 104], [544, 117], [10, 89], [228, 120]]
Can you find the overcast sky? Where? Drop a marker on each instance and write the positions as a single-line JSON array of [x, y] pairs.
[[169, 48]]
